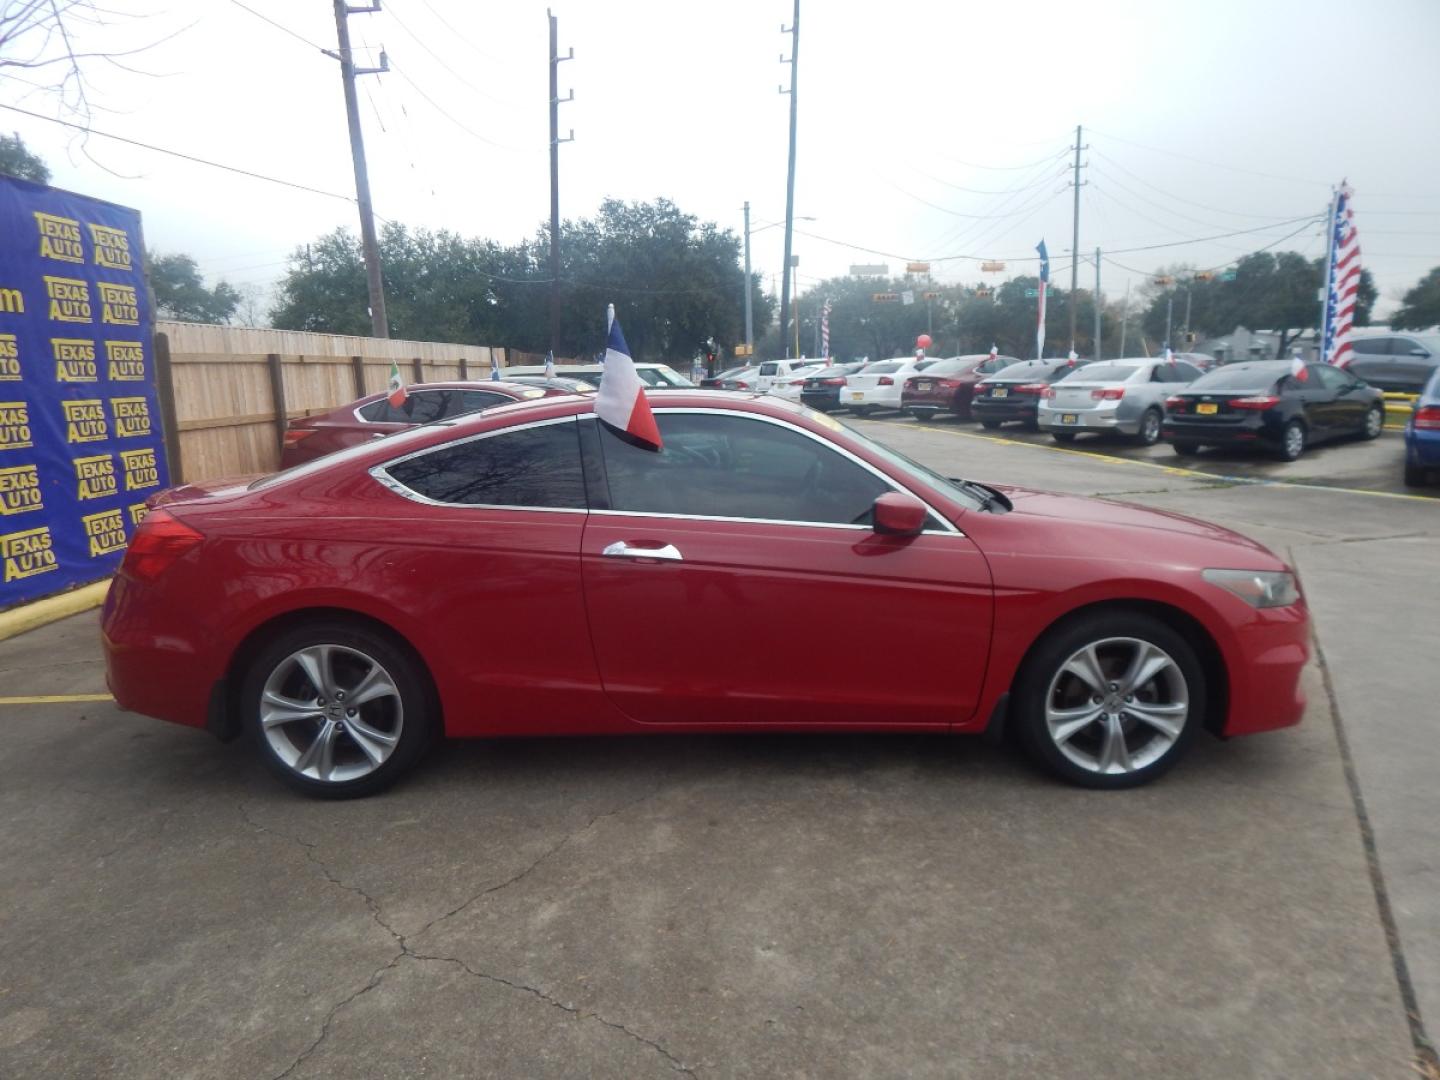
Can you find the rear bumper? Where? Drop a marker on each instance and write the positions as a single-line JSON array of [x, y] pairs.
[[1422, 448], [821, 399], [162, 671], [933, 401], [1005, 408], [1218, 434], [1088, 420]]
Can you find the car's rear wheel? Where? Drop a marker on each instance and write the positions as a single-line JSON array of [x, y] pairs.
[[338, 710], [862, 410], [1149, 433], [1292, 441], [1110, 700], [1185, 449], [990, 425], [1063, 436], [1374, 422]]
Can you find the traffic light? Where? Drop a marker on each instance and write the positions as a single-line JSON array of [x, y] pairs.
[[710, 350], [1205, 275]]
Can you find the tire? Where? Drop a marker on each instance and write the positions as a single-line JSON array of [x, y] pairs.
[[1185, 449], [1063, 436], [1049, 686], [1374, 423], [1149, 433], [1292, 441], [990, 425], [371, 745], [861, 410]]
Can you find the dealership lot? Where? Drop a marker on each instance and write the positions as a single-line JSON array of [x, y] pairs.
[[830, 906]]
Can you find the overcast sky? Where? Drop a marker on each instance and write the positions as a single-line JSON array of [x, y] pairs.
[[927, 130]]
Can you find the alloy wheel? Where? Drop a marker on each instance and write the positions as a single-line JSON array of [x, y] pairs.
[[1117, 705], [331, 713], [1374, 421], [1294, 441]]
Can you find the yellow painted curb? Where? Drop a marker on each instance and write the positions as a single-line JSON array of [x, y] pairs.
[[54, 699], [52, 608]]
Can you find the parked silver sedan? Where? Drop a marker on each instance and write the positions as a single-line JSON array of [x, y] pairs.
[[1124, 396]]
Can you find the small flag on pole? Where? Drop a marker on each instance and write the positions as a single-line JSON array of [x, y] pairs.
[[621, 404], [1298, 369], [398, 393], [1071, 358], [550, 365], [994, 352], [494, 368], [1044, 288], [1169, 355], [1342, 280]]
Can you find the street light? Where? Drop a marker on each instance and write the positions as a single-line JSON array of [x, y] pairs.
[[749, 316]]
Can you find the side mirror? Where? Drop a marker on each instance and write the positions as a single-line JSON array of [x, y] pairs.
[[898, 515]]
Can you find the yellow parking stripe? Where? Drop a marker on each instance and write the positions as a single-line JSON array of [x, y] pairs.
[[54, 699], [1178, 470]]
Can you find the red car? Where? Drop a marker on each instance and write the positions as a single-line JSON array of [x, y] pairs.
[[525, 571], [312, 437], [947, 385]]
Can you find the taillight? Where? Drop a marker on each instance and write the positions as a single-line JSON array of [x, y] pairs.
[[159, 541], [1032, 388], [1107, 393], [884, 380], [741, 385], [1175, 404], [1258, 403], [797, 382], [1428, 418], [297, 435], [838, 380], [949, 384], [1048, 393]]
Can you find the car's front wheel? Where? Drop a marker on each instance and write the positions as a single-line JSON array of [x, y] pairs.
[[1374, 423], [1109, 700], [338, 710], [990, 425]]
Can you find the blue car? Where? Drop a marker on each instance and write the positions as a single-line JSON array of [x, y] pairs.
[[1422, 435]]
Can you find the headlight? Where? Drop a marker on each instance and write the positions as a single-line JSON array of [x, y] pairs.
[[1258, 588]]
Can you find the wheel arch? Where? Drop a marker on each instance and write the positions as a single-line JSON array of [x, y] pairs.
[[1207, 651], [224, 718]]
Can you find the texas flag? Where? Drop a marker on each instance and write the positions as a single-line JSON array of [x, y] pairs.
[[994, 351], [1298, 368], [621, 403], [549, 365], [398, 393]]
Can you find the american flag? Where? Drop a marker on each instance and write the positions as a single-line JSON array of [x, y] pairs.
[[825, 331], [1343, 279], [1044, 288]]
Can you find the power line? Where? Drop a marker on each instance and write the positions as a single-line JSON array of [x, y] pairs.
[[1212, 164], [1170, 195], [462, 126], [390, 11], [278, 26], [179, 154]]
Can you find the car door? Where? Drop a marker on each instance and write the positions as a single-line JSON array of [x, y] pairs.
[[1344, 413], [1371, 360], [1411, 362], [498, 518], [746, 533]]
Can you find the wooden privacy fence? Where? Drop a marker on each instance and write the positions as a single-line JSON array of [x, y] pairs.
[[226, 393]]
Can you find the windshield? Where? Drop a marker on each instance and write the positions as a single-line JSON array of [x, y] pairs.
[[950, 367], [1244, 377], [1103, 372], [883, 368]]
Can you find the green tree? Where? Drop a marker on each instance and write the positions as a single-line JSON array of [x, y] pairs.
[[180, 291], [17, 160], [1420, 308]]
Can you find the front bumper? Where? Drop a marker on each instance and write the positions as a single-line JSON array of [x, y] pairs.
[[1265, 660]]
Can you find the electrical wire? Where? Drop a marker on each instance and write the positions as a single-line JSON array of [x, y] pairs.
[[1211, 164], [1170, 195], [463, 127], [179, 154], [279, 26], [390, 11]]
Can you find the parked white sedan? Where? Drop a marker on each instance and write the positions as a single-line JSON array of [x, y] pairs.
[[879, 385], [789, 385]]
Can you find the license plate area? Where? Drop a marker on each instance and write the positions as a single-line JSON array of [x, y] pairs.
[[1000, 391], [857, 395], [1069, 418], [1207, 408]]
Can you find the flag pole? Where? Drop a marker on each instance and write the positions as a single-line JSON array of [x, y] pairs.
[[1323, 352], [609, 318]]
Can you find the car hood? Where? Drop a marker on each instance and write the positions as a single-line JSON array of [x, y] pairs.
[[1109, 528]]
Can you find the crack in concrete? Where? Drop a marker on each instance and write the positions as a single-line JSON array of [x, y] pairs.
[[674, 1062], [405, 949]]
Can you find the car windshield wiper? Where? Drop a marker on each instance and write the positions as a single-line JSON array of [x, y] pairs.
[[989, 498]]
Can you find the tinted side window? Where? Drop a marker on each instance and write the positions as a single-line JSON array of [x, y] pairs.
[[1375, 346], [769, 369], [1185, 372], [1329, 378], [733, 466], [468, 401], [420, 407], [538, 466]]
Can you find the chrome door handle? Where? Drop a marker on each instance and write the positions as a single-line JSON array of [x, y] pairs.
[[621, 550]]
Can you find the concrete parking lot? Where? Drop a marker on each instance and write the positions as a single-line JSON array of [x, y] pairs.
[[830, 906]]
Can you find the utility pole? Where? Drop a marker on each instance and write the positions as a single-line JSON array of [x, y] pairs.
[[1075, 241], [1169, 311], [379, 324], [795, 311], [1188, 290], [555, 61], [749, 313], [794, 31], [1097, 304], [1124, 318]]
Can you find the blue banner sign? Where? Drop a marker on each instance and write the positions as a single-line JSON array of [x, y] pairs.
[[81, 445]]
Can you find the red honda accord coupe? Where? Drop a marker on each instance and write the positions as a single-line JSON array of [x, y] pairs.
[[312, 437], [524, 571]]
